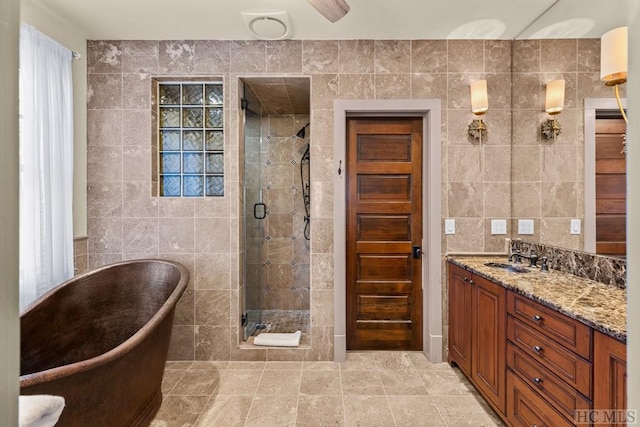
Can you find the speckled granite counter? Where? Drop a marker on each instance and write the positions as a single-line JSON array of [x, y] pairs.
[[600, 306]]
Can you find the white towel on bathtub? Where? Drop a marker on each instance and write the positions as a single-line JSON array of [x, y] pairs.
[[40, 410]]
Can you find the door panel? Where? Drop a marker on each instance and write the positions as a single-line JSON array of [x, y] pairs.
[[384, 223]]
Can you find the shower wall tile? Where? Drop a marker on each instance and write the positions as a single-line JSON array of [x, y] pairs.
[[429, 85], [212, 342], [322, 307], [284, 56], [212, 235], [465, 199], [105, 235], [320, 56], [184, 314], [212, 307], [558, 55], [497, 199], [176, 56], [97, 260], [589, 55], [526, 56], [497, 163], [211, 56], [140, 56], [176, 207], [322, 271], [182, 345]]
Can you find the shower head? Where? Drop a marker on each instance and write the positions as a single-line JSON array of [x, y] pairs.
[[303, 131]]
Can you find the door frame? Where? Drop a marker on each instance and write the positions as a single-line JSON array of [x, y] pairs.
[[430, 110]]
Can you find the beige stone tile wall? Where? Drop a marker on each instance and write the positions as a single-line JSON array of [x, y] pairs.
[[125, 221], [547, 174]]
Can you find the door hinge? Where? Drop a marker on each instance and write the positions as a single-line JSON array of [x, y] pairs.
[[244, 320], [244, 104]]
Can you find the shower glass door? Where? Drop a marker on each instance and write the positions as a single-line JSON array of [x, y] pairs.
[[254, 213]]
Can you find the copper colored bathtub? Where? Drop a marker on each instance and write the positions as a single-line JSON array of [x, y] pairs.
[[100, 340]]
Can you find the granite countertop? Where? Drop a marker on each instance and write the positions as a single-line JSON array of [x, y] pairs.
[[596, 304]]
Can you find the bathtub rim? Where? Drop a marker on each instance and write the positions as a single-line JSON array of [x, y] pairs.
[[123, 348]]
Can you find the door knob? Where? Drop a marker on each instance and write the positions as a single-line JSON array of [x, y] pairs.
[[417, 252]]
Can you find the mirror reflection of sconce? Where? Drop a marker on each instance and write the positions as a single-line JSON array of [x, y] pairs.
[[479, 105], [554, 103], [614, 60]]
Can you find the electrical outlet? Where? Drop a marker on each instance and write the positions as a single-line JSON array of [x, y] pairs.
[[498, 226], [575, 226], [449, 226], [525, 226]]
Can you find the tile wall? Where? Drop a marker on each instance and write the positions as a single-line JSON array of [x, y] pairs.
[[548, 175], [125, 222]]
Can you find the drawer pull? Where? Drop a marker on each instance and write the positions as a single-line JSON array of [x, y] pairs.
[[466, 279], [537, 318], [537, 349], [537, 380], [471, 282]]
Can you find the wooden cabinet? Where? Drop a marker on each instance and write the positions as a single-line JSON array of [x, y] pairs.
[[460, 294], [533, 364], [488, 340], [610, 376], [477, 332]]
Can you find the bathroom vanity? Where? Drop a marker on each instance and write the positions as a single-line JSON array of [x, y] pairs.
[[538, 346]]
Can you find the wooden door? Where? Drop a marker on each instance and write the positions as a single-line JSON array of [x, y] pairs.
[[611, 199], [489, 340], [384, 223], [460, 321]]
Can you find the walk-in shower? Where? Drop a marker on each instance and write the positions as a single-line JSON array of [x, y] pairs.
[[276, 201]]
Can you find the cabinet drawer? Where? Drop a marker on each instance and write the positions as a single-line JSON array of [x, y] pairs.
[[569, 332], [525, 408], [564, 398], [562, 362]]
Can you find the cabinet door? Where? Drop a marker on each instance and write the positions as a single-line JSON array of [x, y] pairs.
[[488, 364], [460, 287], [610, 377]]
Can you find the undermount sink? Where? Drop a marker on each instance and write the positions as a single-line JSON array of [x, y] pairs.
[[507, 267]]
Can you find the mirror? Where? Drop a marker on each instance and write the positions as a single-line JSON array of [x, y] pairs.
[[548, 174]]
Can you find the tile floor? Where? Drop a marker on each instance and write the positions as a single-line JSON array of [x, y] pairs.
[[371, 389]]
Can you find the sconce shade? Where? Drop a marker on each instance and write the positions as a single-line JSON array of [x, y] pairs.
[[614, 56], [479, 99], [554, 102]]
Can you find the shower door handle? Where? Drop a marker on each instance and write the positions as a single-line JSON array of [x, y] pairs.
[[417, 252], [260, 211]]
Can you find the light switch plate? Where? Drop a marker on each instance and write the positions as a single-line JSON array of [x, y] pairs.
[[575, 226], [498, 226], [449, 226], [525, 226]]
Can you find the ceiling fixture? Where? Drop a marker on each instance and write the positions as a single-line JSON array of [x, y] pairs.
[[333, 10], [267, 25]]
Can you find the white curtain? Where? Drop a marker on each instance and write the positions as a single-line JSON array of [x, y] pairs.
[[46, 164]]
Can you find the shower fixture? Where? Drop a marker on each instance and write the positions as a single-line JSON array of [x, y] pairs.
[[303, 131], [304, 180]]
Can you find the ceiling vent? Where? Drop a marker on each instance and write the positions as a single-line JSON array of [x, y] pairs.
[[269, 25]]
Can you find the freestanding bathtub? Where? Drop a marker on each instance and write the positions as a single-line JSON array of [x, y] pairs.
[[100, 340]]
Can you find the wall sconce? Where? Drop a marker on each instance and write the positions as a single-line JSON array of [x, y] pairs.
[[614, 61], [479, 105], [554, 103]]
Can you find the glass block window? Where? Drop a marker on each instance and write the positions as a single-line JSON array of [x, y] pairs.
[[190, 130]]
